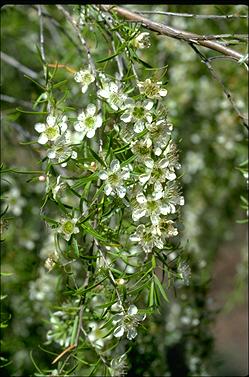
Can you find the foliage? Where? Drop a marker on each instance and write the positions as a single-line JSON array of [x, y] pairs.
[[110, 242]]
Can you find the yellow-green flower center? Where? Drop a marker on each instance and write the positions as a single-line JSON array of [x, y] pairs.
[[151, 89], [89, 122], [51, 132], [114, 179], [68, 227], [138, 112]]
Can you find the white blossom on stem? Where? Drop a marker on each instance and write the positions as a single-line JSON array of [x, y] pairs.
[[88, 122]]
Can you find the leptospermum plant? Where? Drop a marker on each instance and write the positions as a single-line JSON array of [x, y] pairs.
[[112, 200]]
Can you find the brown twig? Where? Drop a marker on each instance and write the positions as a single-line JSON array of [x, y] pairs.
[[172, 32]]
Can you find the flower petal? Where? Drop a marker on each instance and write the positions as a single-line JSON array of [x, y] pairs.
[[91, 109], [141, 198], [79, 127], [118, 332], [131, 333], [132, 310], [51, 120], [121, 191], [42, 139], [163, 92], [108, 190], [40, 127], [90, 134], [138, 126], [103, 175], [115, 165], [126, 117], [148, 104], [138, 213], [98, 121]]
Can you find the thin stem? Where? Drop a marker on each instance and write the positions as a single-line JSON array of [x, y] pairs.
[[206, 61], [16, 64], [189, 15], [82, 40], [43, 56]]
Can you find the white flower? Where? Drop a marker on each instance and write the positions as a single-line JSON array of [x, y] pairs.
[[146, 238], [159, 133], [158, 171], [171, 199], [148, 206], [67, 228], [142, 150], [151, 89], [88, 122], [142, 40], [59, 186], [97, 335], [114, 179], [127, 322], [85, 78], [52, 129], [165, 229], [118, 365], [113, 95], [60, 151], [137, 112]]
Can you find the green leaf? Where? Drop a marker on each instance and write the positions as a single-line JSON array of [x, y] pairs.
[[6, 273], [75, 328], [111, 56], [97, 158], [151, 294], [84, 180], [59, 84], [75, 247], [95, 234], [31, 112], [161, 289]]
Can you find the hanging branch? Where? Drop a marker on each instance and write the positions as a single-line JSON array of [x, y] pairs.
[[173, 32], [206, 61]]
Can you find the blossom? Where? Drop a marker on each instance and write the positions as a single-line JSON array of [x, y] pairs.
[[67, 228], [148, 206], [52, 129], [88, 122], [60, 151], [137, 112], [142, 150], [165, 228], [85, 78], [159, 171], [97, 335], [146, 238], [113, 95], [114, 179], [171, 199], [127, 322], [142, 40], [159, 133], [151, 89], [118, 365]]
